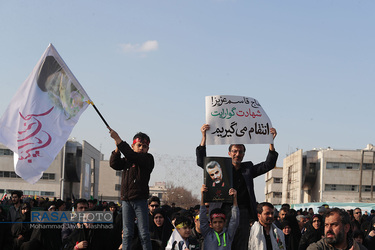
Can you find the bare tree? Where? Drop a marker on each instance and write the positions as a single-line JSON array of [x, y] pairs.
[[180, 196]]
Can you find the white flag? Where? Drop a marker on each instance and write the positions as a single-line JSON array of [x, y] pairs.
[[41, 115]]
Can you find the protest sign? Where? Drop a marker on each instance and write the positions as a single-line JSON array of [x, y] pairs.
[[236, 120]]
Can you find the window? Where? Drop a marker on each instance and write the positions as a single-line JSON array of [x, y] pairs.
[[277, 195], [342, 165], [364, 189], [30, 192], [339, 187], [312, 167], [48, 176], [277, 180], [330, 187], [118, 173], [367, 166], [117, 187], [352, 165], [5, 151], [47, 193], [92, 189], [8, 174]]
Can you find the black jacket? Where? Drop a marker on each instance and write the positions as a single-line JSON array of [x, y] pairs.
[[136, 170], [249, 171]]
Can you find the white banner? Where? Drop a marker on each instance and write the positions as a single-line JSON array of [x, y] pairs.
[[236, 120], [176, 242], [42, 114]]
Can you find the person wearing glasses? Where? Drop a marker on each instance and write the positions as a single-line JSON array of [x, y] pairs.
[[357, 221], [153, 204], [243, 175]]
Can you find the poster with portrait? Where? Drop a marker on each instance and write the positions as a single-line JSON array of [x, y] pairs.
[[218, 179]]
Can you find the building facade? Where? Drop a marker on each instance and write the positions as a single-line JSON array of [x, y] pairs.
[[159, 190], [329, 175], [274, 185], [73, 174], [109, 183]]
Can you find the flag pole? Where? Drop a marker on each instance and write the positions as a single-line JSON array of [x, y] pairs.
[[90, 102]]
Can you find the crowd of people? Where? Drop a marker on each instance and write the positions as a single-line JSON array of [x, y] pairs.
[[199, 227], [142, 223]]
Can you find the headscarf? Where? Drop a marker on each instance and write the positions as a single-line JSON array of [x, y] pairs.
[[163, 233], [311, 235]]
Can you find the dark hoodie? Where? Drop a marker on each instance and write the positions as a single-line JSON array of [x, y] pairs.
[[137, 168], [21, 227]]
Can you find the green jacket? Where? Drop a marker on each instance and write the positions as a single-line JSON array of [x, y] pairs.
[[323, 245]]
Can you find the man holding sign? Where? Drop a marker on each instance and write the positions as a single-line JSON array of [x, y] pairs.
[[243, 172]]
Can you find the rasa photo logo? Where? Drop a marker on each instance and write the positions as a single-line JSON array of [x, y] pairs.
[[71, 217]]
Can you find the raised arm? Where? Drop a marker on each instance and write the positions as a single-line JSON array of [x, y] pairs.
[[201, 149], [203, 189], [204, 128], [233, 192], [115, 136], [142, 159], [235, 212], [274, 133], [203, 218]]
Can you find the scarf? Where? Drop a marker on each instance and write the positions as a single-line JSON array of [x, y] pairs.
[[258, 241]]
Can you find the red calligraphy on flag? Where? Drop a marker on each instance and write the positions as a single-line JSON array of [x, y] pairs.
[[31, 138]]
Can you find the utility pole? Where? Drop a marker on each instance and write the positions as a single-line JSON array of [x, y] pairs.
[[360, 177], [361, 173]]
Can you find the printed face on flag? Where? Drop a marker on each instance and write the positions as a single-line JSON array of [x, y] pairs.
[[41, 115], [62, 92]]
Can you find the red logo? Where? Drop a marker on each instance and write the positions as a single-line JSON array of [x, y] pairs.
[[32, 137]]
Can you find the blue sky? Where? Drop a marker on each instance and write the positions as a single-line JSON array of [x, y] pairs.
[[148, 66]]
